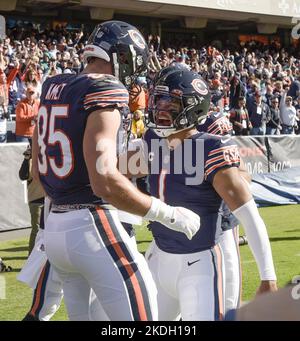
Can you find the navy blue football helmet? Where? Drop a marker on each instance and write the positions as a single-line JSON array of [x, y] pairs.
[[172, 67], [123, 46], [180, 99]]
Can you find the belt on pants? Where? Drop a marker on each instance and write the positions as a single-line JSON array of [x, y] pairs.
[[72, 207]]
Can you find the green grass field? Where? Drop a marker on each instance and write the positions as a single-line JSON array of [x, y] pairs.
[[283, 224]]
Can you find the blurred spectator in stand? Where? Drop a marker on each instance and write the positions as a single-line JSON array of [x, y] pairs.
[[273, 126], [3, 120], [217, 93], [287, 113], [269, 94], [77, 65], [237, 90], [240, 119], [32, 78], [53, 69], [45, 62], [15, 87], [259, 114], [3, 83], [294, 90], [26, 114], [278, 89], [137, 125], [35, 194], [53, 49], [138, 96], [297, 107]]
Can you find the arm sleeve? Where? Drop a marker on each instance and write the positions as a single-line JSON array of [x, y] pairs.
[[257, 236]]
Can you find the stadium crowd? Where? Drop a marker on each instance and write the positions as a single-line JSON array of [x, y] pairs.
[[259, 86]]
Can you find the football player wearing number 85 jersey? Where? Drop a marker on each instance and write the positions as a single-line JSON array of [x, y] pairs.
[[197, 171], [76, 140]]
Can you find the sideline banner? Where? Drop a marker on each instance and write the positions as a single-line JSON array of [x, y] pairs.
[[268, 154], [277, 188], [283, 152], [14, 211], [254, 153], [262, 155]]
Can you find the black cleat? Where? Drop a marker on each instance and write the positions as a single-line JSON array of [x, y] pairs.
[[30, 317], [243, 240], [4, 268]]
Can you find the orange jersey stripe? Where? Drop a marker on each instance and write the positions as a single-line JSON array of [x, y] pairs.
[[125, 263], [106, 93], [214, 159], [219, 150], [229, 163], [108, 99]]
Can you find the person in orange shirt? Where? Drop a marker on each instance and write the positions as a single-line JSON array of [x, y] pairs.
[[26, 113], [137, 96]]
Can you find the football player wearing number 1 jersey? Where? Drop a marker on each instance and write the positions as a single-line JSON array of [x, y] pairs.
[[76, 140], [197, 171]]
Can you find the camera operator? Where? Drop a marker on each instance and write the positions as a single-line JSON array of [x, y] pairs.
[[35, 196]]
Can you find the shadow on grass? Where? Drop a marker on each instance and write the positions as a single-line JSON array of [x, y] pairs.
[[143, 241], [15, 249], [279, 239], [14, 258], [13, 270]]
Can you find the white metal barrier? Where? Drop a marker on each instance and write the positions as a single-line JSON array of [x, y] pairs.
[[14, 211]]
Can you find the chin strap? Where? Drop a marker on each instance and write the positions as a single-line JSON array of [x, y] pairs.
[[116, 66]]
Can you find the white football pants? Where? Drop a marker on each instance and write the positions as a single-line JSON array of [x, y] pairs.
[[191, 285], [90, 249]]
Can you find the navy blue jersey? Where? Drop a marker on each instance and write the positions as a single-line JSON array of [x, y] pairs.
[[66, 102], [206, 154]]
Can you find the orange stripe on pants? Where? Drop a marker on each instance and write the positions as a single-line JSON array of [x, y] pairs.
[[220, 281], [125, 263], [38, 291]]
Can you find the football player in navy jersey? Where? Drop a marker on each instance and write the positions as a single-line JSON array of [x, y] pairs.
[[197, 171], [217, 123], [76, 140]]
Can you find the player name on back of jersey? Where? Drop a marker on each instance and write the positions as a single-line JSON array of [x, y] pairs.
[[55, 90]]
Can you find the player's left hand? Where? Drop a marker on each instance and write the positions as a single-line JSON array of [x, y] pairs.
[[267, 286]]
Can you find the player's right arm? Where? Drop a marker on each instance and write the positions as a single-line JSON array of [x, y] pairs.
[[243, 172], [99, 148]]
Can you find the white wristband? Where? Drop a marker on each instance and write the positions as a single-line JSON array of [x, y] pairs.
[[258, 238], [158, 210]]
